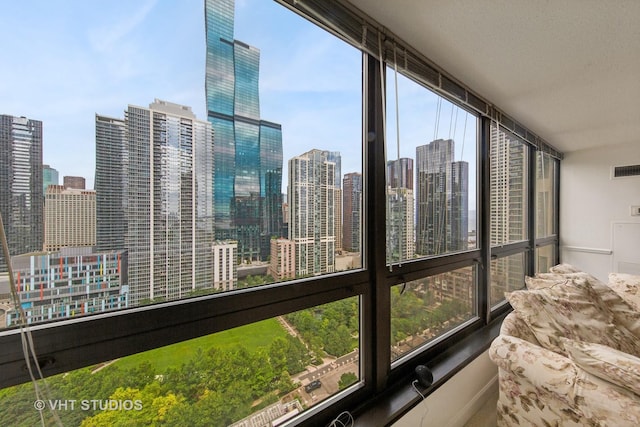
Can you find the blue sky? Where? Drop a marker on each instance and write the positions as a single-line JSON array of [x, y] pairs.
[[65, 61]]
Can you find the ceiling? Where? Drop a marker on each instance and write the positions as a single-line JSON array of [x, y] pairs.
[[567, 69]]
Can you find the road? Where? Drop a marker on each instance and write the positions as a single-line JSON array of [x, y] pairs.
[[329, 375]]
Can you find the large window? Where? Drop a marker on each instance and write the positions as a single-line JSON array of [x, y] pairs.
[[546, 211], [290, 209], [257, 373], [430, 212], [254, 179], [431, 172], [509, 182], [509, 215], [546, 188], [507, 274], [545, 258], [424, 310]]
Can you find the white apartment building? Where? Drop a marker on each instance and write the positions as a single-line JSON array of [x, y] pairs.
[[225, 265], [312, 211]]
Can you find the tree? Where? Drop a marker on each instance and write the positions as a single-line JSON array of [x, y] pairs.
[[346, 380], [338, 341], [143, 407]]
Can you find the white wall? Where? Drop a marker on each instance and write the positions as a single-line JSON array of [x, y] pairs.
[[592, 205], [458, 399]]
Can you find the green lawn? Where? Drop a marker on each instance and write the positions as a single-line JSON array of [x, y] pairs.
[[252, 336]]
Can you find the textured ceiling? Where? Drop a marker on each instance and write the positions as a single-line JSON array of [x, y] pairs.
[[567, 69]]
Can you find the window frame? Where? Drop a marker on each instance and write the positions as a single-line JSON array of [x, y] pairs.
[[66, 345]]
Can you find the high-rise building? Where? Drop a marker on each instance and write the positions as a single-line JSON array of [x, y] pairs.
[[49, 177], [442, 199], [76, 182], [110, 183], [69, 218], [21, 195], [334, 156], [283, 259], [225, 265], [508, 184], [285, 216], [248, 153], [312, 210], [168, 198], [400, 173], [400, 210], [352, 211], [508, 188]]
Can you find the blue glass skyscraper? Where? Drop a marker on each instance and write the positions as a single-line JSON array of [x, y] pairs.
[[248, 150]]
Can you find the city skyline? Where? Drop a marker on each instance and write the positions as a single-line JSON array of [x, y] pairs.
[[96, 66], [122, 64]]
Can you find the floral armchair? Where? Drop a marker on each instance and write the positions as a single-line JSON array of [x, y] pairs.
[[569, 353]]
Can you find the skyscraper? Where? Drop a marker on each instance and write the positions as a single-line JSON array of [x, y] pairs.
[[21, 195], [352, 208], [49, 177], [508, 181], [334, 156], [248, 153], [110, 183], [508, 188], [442, 199], [312, 208], [76, 182], [400, 173], [400, 210], [69, 218], [167, 189]]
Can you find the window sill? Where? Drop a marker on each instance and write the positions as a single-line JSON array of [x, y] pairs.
[[401, 397]]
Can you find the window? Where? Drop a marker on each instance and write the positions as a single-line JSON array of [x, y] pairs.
[[327, 183], [507, 274], [509, 180], [431, 172], [546, 222], [259, 372], [509, 214], [178, 186], [424, 310], [545, 258]]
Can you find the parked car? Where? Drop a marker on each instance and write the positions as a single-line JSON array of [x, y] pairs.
[[315, 384]]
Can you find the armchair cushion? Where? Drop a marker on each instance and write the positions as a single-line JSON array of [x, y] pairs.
[[568, 311], [606, 363], [627, 286], [564, 268], [607, 296]]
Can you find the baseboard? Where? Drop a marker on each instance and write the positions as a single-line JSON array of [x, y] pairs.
[[475, 403]]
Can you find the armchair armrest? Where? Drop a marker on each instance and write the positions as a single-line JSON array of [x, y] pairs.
[[540, 367]]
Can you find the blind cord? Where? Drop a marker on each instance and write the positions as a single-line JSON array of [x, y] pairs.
[[25, 332]]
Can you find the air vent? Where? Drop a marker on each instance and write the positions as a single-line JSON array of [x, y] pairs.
[[625, 171]]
